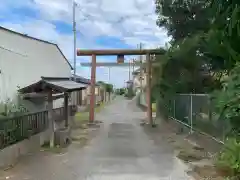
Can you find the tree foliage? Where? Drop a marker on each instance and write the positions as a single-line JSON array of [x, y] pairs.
[[204, 53], [108, 87], [204, 43], [204, 57], [183, 18], [120, 91], [186, 68], [227, 19]]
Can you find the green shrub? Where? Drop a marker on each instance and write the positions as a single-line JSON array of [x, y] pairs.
[[10, 109], [229, 157]]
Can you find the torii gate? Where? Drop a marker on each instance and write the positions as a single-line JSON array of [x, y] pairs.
[[119, 52]]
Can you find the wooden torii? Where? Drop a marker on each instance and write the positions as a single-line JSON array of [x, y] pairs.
[[119, 52]]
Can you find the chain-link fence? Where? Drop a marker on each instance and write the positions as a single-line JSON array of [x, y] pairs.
[[195, 111]]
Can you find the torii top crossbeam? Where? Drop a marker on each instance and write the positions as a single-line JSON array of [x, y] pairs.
[[110, 64], [112, 52]]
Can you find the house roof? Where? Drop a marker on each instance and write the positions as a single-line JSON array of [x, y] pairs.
[[44, 41], [34, 95], [80, 79], [129, 81], [137, 71], [57, 84]]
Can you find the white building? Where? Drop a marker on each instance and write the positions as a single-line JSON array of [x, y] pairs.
[[139, 80], [83, 97], [139, 84], [24, 60]]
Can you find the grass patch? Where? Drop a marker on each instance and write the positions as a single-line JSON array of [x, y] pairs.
[[207, 172], [154, 107], [189, 156], [186, 151], [99, 107], [55, 149], [80, 140], [84, 116]]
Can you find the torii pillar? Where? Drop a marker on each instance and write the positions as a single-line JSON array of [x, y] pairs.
[[93, 84], [149, 90]]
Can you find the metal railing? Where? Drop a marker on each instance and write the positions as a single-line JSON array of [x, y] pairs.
[[195, 111], [15, 129]]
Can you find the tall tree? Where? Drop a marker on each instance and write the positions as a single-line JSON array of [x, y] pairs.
[[196, 47], [183, 18]]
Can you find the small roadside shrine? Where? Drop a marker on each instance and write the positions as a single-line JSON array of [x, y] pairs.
[[50, 86]]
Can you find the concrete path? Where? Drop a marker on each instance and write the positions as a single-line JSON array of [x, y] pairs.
[[120, 151]]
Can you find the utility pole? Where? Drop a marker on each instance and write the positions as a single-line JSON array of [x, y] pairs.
[[129, 75], [133, 64], [74, 39], [140, 46]]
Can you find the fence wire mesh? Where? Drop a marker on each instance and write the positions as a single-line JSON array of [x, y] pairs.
[[195, 110]]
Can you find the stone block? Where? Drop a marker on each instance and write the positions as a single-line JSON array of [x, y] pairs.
[[62, 137]]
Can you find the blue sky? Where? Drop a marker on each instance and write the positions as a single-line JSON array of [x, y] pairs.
[[101, 24]]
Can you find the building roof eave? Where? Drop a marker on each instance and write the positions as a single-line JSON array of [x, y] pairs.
[[56, 84]]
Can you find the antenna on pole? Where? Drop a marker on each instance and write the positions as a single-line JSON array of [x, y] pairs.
[[74, 38]]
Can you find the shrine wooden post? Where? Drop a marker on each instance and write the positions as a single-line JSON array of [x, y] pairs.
[[93, 84]]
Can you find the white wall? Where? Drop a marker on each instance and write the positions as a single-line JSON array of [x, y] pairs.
[[10, 155], [23, 61], [137, 81], [86, 94], [143, 100]]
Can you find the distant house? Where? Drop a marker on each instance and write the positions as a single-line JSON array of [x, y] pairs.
[[82, 98], [139, 79], [23, 61], [129, 84]]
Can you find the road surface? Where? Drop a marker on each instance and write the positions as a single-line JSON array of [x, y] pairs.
[[120, 151]]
